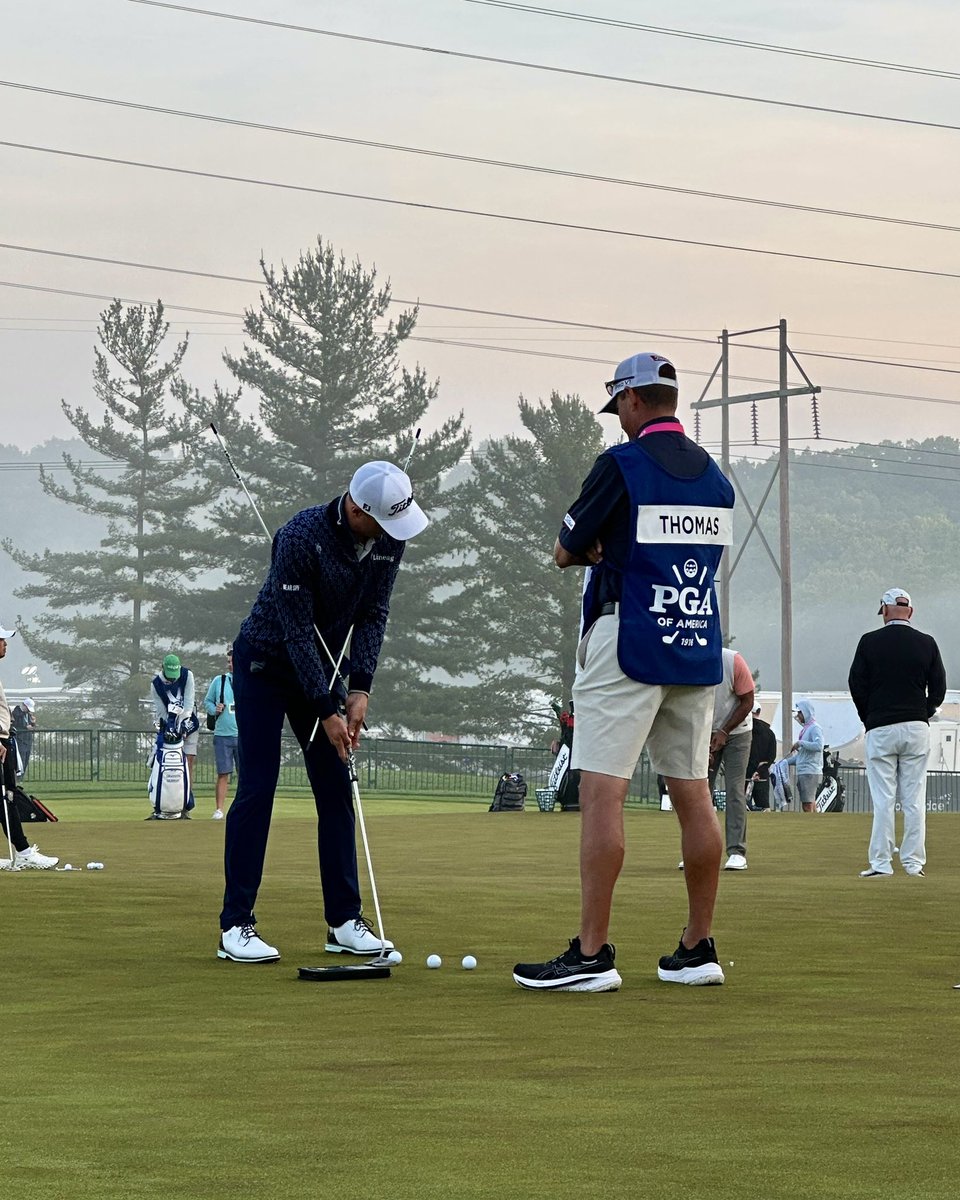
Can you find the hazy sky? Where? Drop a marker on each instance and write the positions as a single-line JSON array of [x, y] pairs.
[[121, 50]]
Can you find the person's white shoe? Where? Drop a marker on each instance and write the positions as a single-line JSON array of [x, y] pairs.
[[736, 862], [870, 873], [217, 815], [242, 943], [355, 937], [31, 859], [680, 865]]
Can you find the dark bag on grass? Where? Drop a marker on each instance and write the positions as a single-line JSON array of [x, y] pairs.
[[510, 794], [29, 808], [830, 792], [212, 717]]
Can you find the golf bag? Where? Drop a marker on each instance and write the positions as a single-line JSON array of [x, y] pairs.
[[782, 791], [169, 784], [565, 783], [510, 794], [830, 792], [29, 809]]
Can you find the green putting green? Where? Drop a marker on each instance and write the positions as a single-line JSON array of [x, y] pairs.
[[136, 1064]]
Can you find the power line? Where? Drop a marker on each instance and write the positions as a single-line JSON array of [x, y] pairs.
[[871, 392], [533, 66], [538, 221], [121, 262], [505, 164], [874, 472], [716, 39]]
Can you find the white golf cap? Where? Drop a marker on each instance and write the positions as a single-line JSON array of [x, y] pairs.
[[29, 705], [386, 493], [7, 633], [893, 598], [639, 370]]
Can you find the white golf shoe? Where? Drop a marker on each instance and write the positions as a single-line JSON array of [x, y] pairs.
[[736, 862], [31, 859], [217, 814], [243, 944], [355, 937]]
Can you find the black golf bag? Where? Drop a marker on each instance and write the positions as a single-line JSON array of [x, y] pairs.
[[830, 792], [169, 784], [510, 794], [564, 781]]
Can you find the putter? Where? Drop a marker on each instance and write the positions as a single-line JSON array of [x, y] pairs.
[[6, 822], [381, 959], [416, 439], [371, 970]]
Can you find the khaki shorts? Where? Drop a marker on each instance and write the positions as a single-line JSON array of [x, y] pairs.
[[616, 716]]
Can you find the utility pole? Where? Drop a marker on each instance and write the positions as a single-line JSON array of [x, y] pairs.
[[781, 564], [786, 570]]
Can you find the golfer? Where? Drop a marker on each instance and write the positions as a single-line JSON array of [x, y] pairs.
[[651, 521], [332, 571]]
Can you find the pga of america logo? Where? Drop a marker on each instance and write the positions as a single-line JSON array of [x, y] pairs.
[[684, 610]]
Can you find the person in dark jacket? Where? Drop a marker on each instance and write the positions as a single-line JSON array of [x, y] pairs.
[[332, 571], [897, 681], [763, 752]]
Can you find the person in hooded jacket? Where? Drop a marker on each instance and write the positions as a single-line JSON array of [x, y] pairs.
[[806, 754]]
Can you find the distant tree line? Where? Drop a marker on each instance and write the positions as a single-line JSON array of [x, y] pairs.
[[483, 626]]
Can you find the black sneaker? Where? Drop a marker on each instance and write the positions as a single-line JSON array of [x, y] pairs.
[[696, 966], [571, 971]]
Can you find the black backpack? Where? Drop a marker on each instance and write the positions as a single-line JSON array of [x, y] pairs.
[[510, 794]]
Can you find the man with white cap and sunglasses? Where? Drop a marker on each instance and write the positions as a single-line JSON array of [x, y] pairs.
[[897, 681], [651, 522], [332, 570]]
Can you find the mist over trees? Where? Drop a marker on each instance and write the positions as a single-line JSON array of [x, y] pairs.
[[97, 630], [162, 550]]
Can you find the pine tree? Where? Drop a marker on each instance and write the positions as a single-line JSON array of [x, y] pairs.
[[98, 630], [518, 614], [322, 356]]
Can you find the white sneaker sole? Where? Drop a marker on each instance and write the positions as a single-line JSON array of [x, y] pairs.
[[221, 953], [32, 866], [703, 976], [336, 948], [609, 981]]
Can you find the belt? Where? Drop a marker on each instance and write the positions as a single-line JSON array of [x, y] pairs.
[[610, 608]]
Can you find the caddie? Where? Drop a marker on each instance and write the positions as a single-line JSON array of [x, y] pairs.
[[650, 523]]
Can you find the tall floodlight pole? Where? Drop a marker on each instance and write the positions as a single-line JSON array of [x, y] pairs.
[[725, 467], [786, 572]]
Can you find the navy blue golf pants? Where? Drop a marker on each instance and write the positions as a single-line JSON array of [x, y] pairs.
[[265, 692]]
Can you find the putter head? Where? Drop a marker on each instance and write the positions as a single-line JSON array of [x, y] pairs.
[[381, 960]]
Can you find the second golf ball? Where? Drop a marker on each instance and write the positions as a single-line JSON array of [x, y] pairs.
[[469, 962], [434, 961]]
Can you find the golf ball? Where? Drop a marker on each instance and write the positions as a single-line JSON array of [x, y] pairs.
[[469, 962], [434, 961], [395, 957]]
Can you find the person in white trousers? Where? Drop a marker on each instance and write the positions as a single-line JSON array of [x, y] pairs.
[[897, 681]]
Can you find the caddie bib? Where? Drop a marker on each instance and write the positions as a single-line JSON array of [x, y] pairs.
[[669, 624]]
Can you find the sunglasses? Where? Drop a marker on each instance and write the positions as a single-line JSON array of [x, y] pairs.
[[617, 384]]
